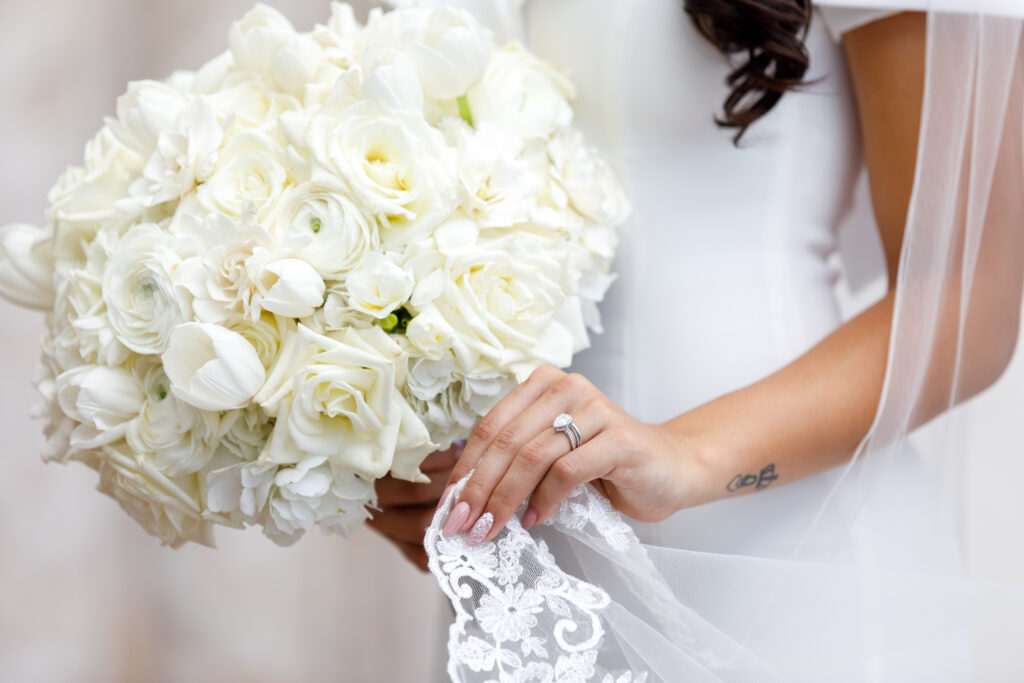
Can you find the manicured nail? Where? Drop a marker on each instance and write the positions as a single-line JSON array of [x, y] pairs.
[[456, 519], [530, 518], [479, 531]]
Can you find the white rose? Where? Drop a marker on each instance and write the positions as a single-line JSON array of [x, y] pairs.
[[26, 266], [522, 94], [251, 170], [167, 508], [103, 400], [396, 166], [338, 397], [211, 367], [340, 232], [379, 286], [180, 438], [266, 334], [245, 102], [502, 301], [447, 45], [142, 304], [592, 185]]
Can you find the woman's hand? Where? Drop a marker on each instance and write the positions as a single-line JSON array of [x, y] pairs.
[[407, 508], [643, 470]]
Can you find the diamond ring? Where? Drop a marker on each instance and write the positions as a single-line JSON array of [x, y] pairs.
[[563, 423]]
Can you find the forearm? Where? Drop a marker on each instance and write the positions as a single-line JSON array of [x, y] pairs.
[[804, 418]]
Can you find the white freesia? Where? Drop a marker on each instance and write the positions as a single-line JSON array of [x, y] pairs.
[[26, 266], [379, 286], [211, 367], [143, 305]]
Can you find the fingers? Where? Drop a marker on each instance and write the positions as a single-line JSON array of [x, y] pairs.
[[414, 552], [404, 523], [594, 459], [533, 463], [503, 412]]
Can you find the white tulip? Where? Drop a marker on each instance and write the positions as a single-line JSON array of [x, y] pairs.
[[26, 266], [290, 287], [212, 368], [104, 400]]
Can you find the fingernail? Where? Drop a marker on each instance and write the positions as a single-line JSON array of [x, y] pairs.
[[530, 518], [456, 519], [479, 531]]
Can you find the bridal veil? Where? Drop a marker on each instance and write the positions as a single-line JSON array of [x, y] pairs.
[[580, 599]]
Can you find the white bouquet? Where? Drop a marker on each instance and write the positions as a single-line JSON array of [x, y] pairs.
[[309, 264]]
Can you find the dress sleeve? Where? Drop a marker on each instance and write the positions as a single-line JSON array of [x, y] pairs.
[[839, 20]]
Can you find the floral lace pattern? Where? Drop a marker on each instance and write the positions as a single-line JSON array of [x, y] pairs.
[[519, 617]]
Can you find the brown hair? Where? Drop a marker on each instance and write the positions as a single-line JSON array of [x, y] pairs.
[[769, 37]]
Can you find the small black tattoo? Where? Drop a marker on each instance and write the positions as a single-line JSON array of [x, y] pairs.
[[758, 481]]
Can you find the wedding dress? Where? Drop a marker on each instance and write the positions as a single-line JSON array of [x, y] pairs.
[[724, 275]]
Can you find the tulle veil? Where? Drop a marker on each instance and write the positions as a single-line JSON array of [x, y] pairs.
[[903, 607]]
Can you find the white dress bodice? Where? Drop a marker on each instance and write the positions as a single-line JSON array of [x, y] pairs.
[[723, 270]]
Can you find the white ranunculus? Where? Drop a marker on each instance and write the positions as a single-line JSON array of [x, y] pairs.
[[211, 367], [168, 508], [522, 94], [252, 170], [102, 400], [447, 46], [338, 397], [339, 232], [178, 437], [184, 156], [379, 286], [26, 265], [142, 303], [396, 166]]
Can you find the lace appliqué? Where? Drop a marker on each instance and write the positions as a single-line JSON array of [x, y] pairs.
[[508, 591]]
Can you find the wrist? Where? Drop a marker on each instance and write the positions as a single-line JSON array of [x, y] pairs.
[[694, 460]]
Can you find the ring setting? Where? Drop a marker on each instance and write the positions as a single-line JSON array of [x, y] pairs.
[[563, 423]]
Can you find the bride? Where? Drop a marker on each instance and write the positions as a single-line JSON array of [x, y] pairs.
[[719, 406]]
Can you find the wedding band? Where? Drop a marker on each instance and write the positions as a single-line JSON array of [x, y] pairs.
[[563, 423]]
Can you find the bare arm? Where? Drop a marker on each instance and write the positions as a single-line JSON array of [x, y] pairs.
[[804, 418]]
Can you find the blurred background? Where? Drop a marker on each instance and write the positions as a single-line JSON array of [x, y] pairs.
[[86, 595]]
